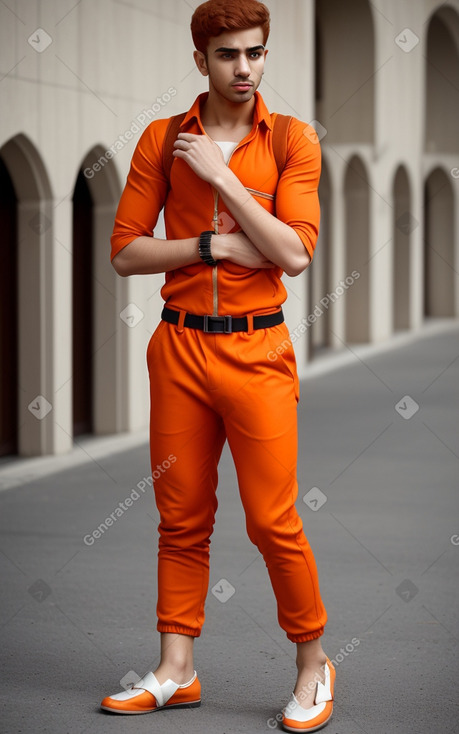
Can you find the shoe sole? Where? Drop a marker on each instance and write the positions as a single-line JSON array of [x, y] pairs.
[[191, 704], [306, 731]]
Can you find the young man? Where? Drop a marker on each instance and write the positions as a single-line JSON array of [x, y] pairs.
[[233, 226]]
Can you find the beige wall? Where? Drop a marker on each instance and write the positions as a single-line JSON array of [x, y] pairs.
[[95, 85]]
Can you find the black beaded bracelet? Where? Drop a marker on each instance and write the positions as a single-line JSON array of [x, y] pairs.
[[204, 248]]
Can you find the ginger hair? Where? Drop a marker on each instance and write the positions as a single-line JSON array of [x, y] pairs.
[[212, 18]]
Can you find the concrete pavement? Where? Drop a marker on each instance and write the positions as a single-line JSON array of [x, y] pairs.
[[378, 472]]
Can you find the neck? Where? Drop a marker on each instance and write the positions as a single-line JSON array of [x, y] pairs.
[[217, 111]]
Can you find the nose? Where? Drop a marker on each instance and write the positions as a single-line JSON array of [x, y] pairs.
[[242, 68]]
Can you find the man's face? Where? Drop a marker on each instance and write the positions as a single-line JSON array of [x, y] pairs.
[[234, 64]]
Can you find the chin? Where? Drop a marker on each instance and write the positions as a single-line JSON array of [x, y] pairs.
[[243, 96]]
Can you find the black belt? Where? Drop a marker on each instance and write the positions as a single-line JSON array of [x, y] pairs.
[[222, 324]]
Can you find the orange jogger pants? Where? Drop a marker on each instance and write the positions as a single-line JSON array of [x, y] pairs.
[[206, 388]]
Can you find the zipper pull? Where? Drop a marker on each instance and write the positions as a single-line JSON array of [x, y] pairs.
[[215, 217]]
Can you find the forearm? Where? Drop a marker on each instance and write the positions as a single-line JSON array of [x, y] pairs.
[[278, 242], [148, 255]]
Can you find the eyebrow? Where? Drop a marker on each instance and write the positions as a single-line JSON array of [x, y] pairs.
[[235, 50]]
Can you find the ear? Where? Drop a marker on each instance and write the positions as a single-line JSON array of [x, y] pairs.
[[201, 62]]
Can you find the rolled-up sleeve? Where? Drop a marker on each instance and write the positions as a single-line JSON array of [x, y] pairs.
[[297, 199], [145, 191]]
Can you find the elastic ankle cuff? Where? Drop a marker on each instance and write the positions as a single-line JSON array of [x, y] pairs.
[[307, 637], [176, 629]]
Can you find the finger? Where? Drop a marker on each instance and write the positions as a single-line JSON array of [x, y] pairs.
[[189, 137], [182, 144]]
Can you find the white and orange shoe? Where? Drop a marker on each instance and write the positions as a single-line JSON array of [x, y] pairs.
[[299, 720], [148, 695]]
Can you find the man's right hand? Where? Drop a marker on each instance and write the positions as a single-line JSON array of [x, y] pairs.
[[237, 248]]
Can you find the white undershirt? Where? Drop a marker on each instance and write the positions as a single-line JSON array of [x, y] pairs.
[[226, 148]]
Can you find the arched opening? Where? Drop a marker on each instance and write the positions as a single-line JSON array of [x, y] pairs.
[[82, 308], [36, 290], [99, 335], [357, 228], [345, 70], [442, 80], [439, 270], [8, 315], [403, 225], [320, 270]]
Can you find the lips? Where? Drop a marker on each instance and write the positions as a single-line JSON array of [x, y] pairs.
[[242, 85]]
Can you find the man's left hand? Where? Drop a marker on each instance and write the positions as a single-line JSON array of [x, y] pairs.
[[202, 155]]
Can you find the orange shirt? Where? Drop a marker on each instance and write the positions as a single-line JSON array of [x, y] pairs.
[[192, 206]]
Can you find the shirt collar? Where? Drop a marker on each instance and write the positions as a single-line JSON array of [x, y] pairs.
[[261, 113]]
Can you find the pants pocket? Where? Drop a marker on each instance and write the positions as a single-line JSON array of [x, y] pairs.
[[282, 354]]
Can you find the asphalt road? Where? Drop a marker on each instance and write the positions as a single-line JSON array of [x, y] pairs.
[[378, 472]]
